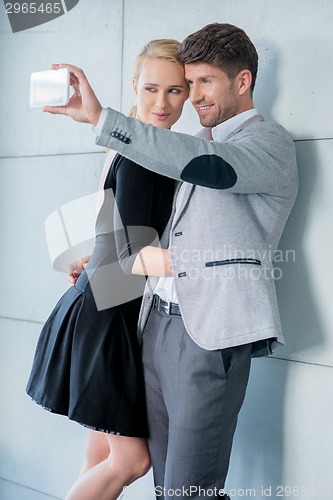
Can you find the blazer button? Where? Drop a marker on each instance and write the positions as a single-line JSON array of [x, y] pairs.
[[179, 233], [181, 275], [120, 136]]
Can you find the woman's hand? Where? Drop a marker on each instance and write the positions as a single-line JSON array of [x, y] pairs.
[[83, 106], [76, 268]]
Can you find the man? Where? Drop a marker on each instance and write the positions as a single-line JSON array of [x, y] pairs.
[[219, 307]]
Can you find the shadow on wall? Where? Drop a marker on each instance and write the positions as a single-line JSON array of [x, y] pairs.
[[301, 322], [300, 319], [258, 451], [266, 89]]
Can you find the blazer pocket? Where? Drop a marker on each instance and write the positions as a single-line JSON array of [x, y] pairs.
[[255, 262]]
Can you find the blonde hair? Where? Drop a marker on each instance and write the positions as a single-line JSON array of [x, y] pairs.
[[163, 48]]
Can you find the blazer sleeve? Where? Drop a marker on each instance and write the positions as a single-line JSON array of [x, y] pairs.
[[134, 196], [259, 159]]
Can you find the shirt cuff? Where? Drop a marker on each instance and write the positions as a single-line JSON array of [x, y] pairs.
[[98, 128]]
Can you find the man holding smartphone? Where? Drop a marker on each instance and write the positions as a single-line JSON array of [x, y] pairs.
[[201, 326]]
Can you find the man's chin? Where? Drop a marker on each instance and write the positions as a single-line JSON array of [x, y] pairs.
[[206, 122]]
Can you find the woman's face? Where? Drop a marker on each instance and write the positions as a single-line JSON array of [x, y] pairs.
[[161, 91]]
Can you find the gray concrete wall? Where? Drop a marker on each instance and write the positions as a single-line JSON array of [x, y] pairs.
[[283, 445]]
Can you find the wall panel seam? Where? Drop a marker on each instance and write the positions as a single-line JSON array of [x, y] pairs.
[[28, 488], [299, 361], [22, 320], [52, 155], [314, 139]]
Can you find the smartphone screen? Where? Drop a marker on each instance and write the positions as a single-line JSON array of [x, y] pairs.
[[49, 88]]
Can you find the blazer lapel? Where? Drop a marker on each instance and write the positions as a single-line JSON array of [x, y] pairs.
[[187, 195]]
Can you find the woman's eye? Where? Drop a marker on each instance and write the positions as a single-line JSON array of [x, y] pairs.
[[174, 91], [151, 89]]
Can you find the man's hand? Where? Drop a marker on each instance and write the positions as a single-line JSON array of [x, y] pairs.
[[76, 268], [83, 106]]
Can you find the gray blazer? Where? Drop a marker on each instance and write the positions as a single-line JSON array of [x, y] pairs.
[[238, 198]]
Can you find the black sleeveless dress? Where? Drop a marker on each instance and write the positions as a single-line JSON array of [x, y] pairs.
[[87, 363]]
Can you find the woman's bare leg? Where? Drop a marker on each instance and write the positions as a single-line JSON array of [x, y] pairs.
[[127, 461], [97, 450]]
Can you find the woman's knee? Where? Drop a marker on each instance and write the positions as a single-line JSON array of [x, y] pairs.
[[133, 471], [141, 466], [131, 457]]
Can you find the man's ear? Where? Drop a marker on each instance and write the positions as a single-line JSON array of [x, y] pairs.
[[135, 86], [245, 81]]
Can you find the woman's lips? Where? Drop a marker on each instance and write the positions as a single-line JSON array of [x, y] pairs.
[[161, 116]]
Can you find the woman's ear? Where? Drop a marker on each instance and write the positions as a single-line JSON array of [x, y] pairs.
[[135, 86], [245, 81]]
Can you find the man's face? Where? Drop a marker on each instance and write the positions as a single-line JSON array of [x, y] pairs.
[[214, 96]]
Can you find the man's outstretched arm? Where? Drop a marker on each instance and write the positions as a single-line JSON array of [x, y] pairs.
[[261, 161]]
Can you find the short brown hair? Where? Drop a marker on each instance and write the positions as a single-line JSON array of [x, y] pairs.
[[223, 45]]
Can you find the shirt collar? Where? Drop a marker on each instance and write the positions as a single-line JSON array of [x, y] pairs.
[[221, 131]]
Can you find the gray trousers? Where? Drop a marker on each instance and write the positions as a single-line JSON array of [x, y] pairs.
[[193, 400]]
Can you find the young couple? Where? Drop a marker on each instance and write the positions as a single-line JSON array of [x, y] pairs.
[[202, 317]]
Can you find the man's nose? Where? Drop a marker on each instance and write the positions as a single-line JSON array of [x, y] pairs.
[[196, 94]]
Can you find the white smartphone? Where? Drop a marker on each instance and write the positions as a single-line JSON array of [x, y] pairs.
[[49, 88]]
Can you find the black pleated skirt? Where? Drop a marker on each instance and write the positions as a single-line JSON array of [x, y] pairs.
[[87, 364]]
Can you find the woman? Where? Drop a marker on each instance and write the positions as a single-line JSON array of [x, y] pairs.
[[87, 363]]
